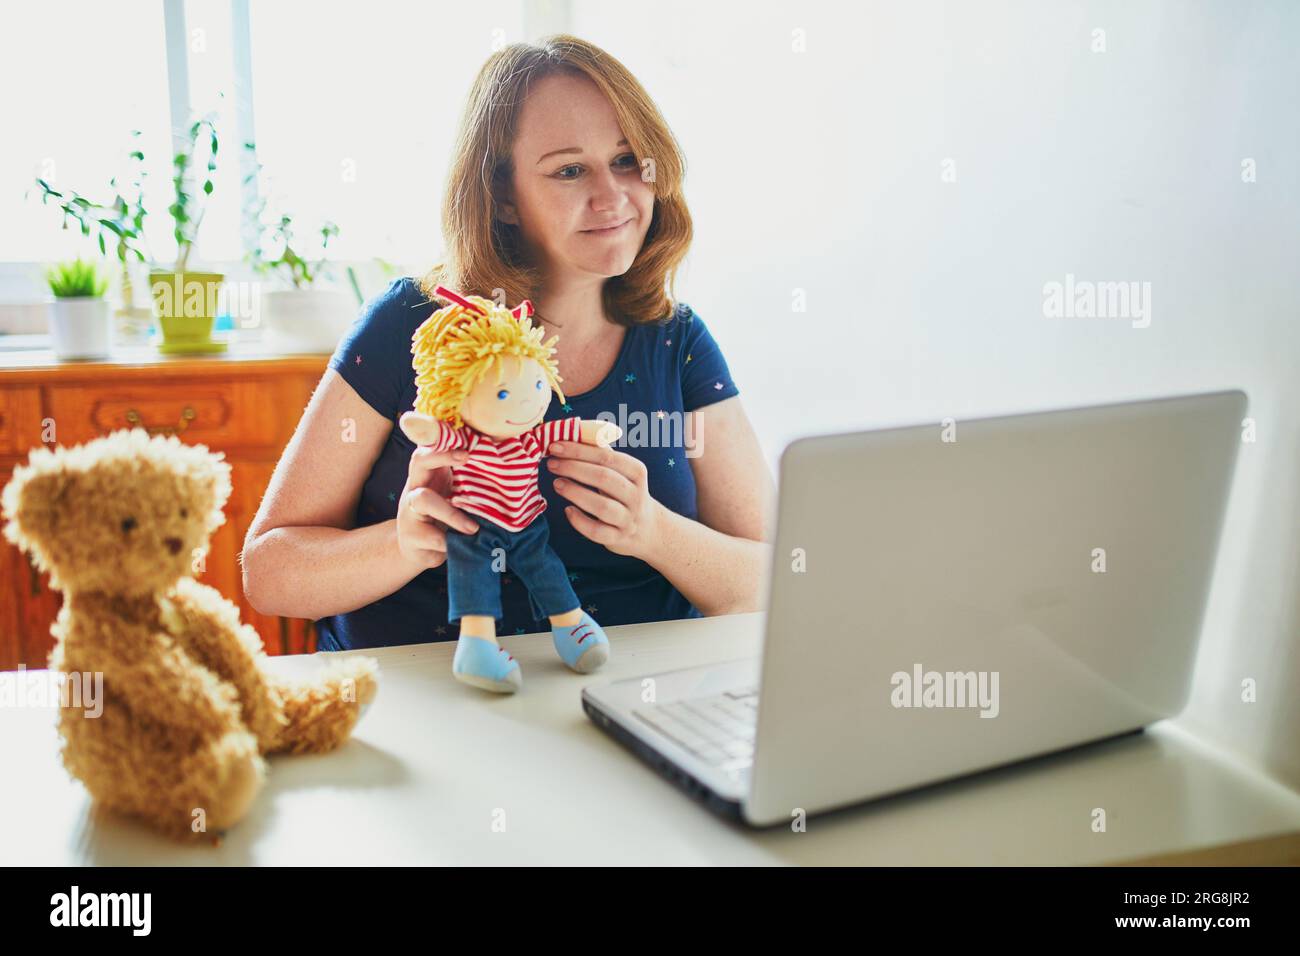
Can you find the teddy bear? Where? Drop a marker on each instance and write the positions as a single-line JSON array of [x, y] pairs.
[[188, 709]]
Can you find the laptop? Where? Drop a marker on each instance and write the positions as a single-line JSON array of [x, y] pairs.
[[951, 597]]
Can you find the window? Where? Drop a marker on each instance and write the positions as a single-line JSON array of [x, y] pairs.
[[78, 76], [356, 115], [353, 115]]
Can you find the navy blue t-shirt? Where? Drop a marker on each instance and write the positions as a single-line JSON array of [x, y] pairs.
[[664, 368]]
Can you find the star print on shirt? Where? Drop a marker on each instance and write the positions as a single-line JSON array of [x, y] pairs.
[[688, 356], [672, 462], [630, 378], [717, 385], [669, 342], [358, 359], [567, 408]]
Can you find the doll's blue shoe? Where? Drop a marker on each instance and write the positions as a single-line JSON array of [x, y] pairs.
[[487, 665], [583, 646]]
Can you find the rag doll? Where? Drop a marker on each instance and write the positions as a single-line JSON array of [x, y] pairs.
[[483, 383]]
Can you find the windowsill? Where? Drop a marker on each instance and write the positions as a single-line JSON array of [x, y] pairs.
[[34, 351]]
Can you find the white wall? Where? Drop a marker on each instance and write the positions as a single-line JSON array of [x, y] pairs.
[[821, 171]]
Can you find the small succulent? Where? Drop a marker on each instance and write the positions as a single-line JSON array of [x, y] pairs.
[[76, 279]]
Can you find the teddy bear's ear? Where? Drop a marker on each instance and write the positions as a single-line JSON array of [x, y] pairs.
[[206, 473], [32, 502], [216, 471]]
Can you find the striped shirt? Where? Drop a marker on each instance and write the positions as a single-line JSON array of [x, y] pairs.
[[499, 480]]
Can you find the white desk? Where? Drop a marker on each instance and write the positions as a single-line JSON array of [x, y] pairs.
[[433, 760]]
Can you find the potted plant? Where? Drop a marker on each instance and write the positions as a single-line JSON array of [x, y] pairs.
[[80, 326], [121, 224], [300, 314], [185, 301]]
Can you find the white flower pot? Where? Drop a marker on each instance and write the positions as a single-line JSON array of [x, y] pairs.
[[305, 320], [80, 328]]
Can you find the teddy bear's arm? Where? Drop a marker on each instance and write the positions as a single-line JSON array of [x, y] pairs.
[[207, 626], [285, 715], [162, 683]]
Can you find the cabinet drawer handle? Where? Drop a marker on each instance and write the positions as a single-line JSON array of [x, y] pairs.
[[187, 415]]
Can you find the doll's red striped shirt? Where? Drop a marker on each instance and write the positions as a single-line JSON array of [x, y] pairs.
[[499, 480]]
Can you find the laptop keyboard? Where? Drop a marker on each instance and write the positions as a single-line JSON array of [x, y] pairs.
[[719, 730]]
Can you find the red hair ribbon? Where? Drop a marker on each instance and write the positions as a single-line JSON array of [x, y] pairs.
[[522, 310]]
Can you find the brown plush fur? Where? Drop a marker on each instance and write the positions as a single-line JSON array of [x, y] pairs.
[[188, 711]]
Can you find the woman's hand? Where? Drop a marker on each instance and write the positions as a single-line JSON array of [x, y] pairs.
[[609, 488], [423, 511]]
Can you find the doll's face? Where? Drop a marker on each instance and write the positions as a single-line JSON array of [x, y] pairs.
[[508, 404]]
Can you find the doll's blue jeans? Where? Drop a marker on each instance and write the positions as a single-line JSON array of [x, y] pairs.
[[474, 572]]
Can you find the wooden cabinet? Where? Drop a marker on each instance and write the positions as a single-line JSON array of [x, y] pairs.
[[243, 403]]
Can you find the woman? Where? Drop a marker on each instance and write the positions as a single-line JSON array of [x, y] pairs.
[[565, 189]]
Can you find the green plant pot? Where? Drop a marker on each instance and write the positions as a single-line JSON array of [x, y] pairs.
[[185, 305]]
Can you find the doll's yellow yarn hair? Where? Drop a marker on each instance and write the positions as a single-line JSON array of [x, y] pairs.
[[455, 348]]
